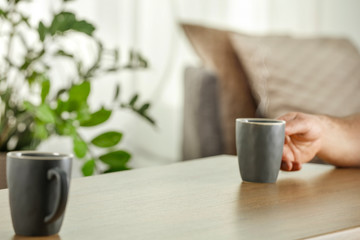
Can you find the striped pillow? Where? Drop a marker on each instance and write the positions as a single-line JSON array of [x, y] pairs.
[[314, 75]]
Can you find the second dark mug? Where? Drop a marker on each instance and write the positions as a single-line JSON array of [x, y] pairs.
[[259, 144], [38, 185]]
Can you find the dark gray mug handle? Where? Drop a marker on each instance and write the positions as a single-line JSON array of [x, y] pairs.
[[62, 189]]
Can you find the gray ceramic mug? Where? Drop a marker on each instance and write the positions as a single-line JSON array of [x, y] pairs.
[[38, 185], [259, 145]]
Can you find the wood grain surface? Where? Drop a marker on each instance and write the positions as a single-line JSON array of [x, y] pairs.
[[348, 234], [206, 199]]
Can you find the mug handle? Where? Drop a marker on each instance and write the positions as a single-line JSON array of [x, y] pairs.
[[61, 191]]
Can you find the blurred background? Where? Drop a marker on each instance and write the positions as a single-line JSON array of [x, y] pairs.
[[152, 27]]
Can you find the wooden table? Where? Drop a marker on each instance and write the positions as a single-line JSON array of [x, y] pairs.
[[206, 199]]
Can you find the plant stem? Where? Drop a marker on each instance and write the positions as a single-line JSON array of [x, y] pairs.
[[92, 154]]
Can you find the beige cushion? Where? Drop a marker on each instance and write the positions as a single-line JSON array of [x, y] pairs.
[[214, 48], [315, 75]]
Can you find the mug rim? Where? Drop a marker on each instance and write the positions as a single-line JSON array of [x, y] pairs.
[[38, 155], [261, 121]]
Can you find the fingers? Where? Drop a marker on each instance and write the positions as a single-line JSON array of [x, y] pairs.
[[289, 163], [288, 154], [286, 166], [301, 132], [290, 166], [287, 157], [296, 166]]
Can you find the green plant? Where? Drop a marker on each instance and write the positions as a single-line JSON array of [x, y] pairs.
[[33, 106]]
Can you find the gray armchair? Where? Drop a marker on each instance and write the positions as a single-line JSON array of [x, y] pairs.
[[202, 131]]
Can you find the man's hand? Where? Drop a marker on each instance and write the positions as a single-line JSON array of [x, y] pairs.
[[303, 134]]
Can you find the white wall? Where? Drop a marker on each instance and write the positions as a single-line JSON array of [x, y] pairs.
[[152, 27], [341, 18]]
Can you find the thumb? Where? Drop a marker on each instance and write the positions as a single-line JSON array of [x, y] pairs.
[[297, 126], [291, 123]]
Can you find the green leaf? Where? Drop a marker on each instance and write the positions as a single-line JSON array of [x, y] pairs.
[[62, 22], [30, 58], [34, 77], [26, 64], [83, 113], [42, 30], [133, 100], [45, 114], [84, 27], [62, 106], [136, 60], [78, 95], [65, 21], [142, 61], [40, 132], [45, 88], [117, 159], [29, 106], [96, 118], [117, 92], [144, 107], [116, 169], [107, 139], [141, 111], [14, 1], [65, 128], [79, 92], [3, 13], [26, 21], [80, 147], [88, 167]]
